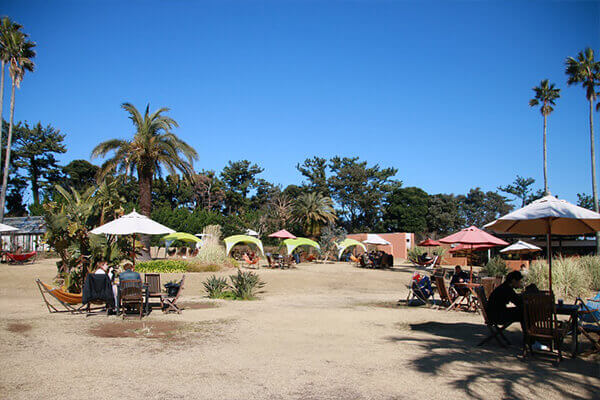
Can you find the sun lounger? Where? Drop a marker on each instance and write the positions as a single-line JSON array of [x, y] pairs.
[[21, 258]]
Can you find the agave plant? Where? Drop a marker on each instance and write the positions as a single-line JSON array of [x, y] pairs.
[[215, 287], [245, 285]]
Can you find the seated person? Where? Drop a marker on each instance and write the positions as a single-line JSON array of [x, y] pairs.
[[501, 296], [19, 250], [129, 274], [424, 257], [459, 276]]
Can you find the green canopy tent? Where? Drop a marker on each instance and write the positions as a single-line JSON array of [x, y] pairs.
[[184, 237], [292, 244], [245, 239], [346, 244]]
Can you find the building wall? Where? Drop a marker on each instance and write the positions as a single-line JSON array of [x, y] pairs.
[[401, 242]]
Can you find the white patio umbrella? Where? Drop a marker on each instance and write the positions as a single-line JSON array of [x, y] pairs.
[[377, 240], [548, 216], [521, 247], [132, 224], [251, 232]]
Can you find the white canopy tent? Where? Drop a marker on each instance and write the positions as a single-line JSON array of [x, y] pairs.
[[377, 240]]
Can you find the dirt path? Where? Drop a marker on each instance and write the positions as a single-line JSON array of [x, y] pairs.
[[318, 332]]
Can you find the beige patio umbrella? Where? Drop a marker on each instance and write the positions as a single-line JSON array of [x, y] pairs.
[[548, 216], [521, 247]]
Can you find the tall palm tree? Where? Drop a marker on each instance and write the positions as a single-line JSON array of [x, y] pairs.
[[20, 53], [545, 94], [313, 211], [6, 26], [586, 70], [153, 146], [109, 200]]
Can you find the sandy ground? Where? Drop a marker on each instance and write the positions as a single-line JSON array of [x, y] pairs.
[[317, 332]]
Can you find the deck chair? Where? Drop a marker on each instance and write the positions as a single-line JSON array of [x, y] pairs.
[[170, 303], [589, 320], [541, 323], [442, 289], [354, 260], [270, 262], [428, 263], [250, 263], [69, 301], [420, 288], [496, 330], [130, 295], [21, 258]]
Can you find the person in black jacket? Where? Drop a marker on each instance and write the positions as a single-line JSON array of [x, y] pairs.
[[497, 309]]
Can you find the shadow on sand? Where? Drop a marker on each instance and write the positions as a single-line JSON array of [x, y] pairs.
[[455, 343]]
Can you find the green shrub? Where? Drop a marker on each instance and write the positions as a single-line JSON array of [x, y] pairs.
[[245, 285], [496, 266], [215, 287], [162, 266], [569, 279], [592, 265]]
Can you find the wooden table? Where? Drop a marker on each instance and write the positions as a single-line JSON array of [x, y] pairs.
[[470, 294]]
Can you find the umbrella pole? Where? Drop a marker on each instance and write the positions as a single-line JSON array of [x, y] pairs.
[[134, 251], [549, 250], [471, 264]]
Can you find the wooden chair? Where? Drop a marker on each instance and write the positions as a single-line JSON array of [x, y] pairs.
[[270, 262], [442, 289], [541, 323], [170, 303], [496, 330], [154, 287], [130, 294]]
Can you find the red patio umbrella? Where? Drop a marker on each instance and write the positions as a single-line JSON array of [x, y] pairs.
[[463, 247], [429, 243], [282, 234], [473, 236]]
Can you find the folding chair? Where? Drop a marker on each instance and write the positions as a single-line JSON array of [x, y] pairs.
[[420, 288], [496, 330], [589, 320], [170, 303]]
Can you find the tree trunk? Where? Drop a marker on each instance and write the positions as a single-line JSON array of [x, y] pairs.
[[145, 178], [546, 191], [35, 187], [8, 144], [1, 108], [593, 154]]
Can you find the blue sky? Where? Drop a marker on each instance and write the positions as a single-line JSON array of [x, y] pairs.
[[439, 90]]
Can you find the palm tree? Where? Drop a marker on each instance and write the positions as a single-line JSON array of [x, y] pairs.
[[586, 70], [6, 26], [313, 211], [109, 200], [545, 94], [20, 52], [153, 146]]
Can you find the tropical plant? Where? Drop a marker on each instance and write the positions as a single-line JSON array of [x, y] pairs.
[[245, 285], [545, 94], [495, 266], [313, 211], [586, 70], [153, 146], [415, 252], [215, 287], [109, 200], [18, 50]]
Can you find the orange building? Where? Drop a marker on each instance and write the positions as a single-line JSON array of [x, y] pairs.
[[400, 243]]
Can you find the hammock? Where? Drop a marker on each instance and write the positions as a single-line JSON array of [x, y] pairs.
[[21, 258], [66, 299]]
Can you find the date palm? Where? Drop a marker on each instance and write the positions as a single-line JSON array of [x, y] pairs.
[[152, 147], [586, 70], [19, 52], [545, 94], [313, 211]]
